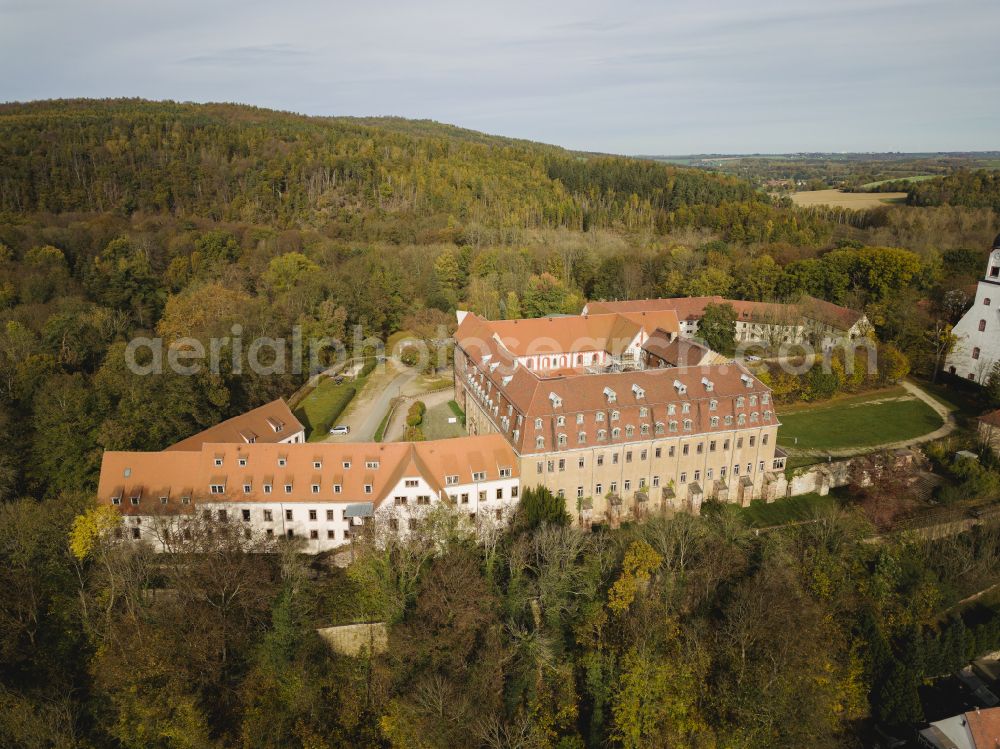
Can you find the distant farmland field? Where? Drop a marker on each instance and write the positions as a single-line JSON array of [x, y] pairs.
[[838, 199]]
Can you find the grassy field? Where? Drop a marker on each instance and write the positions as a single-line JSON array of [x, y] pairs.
[[804, 507], [316, 408], [915, 178], [435, 425], [838, 199], [859, 421]]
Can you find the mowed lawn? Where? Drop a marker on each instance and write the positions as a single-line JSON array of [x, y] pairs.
[[859, 421], [435, 425], [317, 407]]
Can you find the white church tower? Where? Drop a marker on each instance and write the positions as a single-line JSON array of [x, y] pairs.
[[978, 332]]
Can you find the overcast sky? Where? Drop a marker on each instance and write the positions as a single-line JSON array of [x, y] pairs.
[[668, 77]]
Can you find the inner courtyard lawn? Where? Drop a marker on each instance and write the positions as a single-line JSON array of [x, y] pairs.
[[860, 421]]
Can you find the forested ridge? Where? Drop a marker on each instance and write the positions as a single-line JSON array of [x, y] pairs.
[[124, 218]]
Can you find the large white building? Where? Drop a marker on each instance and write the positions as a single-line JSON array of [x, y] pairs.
[[317, 492], [977, 346]]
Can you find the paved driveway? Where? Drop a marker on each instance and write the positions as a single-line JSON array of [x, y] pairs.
[[365, 412]]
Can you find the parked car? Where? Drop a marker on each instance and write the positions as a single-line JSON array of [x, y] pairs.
[[753, 358], [340, 429]]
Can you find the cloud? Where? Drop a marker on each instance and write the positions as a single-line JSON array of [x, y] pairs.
[[632, 76], [264, 54]]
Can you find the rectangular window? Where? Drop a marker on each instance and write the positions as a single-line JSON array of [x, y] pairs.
[[499, 493], [223, 515], [598, 489], [628, 456], [656, 481], [268, 516], [685, 449], [659, 452], [288, 514], [313, 534], [562, 464], [672, 451], [539, 466], [331, 534], [579, 463], [329, 514], [246, 516], [312, 514], [684, 478], [465, 498]]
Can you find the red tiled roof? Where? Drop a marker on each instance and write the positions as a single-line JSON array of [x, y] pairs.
[[178, 473], [262, 424], [693, 308]]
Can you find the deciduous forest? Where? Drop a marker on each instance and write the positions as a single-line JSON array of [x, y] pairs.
[[123, 218]]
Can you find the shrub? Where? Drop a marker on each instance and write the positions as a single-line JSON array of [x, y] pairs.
[[413, 434], [415, 416], [369, 367]]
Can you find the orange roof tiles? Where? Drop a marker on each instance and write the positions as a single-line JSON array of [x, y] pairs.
[[693, 308], [173, 472], [271, 422]]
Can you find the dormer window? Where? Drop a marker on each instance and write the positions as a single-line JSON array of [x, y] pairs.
[[243, 461], [747, 380], [346, 464], [317, 464], [639, 392], [610, 395], [282, 461], [451, 480], [680, 387], [709, 386], [556, 400], [372, 464], [218, 461]]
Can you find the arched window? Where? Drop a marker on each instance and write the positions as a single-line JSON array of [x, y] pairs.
[[581, 437], [539, 442], [644, 429], [629, 431], [601, 435], [687, 425], [982, 325], [562, 440], [616, 433], [659, 427]]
